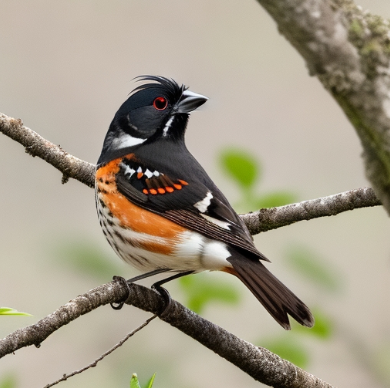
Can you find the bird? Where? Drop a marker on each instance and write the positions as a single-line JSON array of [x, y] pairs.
[[162, 213]]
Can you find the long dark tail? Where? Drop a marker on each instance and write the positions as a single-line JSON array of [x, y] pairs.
[[272, 294]]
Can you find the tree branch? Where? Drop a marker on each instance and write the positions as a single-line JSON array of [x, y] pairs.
[[259, 221], [276, 217], [348, 50], [36, 145], [259, 363]]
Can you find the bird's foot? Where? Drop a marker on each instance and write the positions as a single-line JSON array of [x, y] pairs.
[[166, 296], [123, 281]]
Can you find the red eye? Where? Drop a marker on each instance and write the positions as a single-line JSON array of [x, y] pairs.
[[160, 103]]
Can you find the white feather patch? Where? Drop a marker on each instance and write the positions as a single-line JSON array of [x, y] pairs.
[[199, 253], [124, 141], [148, 173], [221, 224], [128, 170], [190, 246], [168, 125], [204, 203], [214, 255]]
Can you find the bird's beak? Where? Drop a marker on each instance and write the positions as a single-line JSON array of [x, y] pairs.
[[189, 101]]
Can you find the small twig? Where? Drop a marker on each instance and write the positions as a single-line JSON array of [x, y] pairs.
[[93, 364]]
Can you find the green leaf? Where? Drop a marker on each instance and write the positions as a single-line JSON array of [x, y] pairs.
[[322, 329], [8, 382], [11, 311], [150, 382], [241, 167], [85, 257], [380, 362], [200, 291], [276, 198], [290, 349], [314, 268], [134, 383]]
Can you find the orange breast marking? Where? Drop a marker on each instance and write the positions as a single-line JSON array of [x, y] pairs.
[[130, 215], [152, 246]]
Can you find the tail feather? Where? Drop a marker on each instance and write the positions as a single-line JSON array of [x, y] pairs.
[[277, 299]]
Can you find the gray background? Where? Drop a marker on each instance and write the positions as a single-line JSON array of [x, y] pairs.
[[65, 67]]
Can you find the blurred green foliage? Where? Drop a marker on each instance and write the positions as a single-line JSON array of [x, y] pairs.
[[83, 256], [11, 311], [288, 347], [246, 171], [313, 268], [8, 381], [200, 291], [243, 168], [323, 329], [134, 383], [380, 363]]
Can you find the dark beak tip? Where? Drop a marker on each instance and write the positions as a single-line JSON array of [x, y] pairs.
[[190, 101], [202, 101]]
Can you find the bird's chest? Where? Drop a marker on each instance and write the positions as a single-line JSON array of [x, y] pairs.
[[140, 237]]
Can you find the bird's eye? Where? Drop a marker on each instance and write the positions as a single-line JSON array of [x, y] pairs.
[[160, 103]]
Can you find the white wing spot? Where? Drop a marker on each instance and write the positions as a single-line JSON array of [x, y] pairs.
[[128, 170], [148, 173], [222, 224], [204, 203]]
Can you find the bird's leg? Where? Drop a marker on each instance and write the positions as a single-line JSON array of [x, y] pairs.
[[119, 305], [164, 292]]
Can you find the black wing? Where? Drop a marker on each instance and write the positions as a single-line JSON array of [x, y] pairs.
[[189, 203]]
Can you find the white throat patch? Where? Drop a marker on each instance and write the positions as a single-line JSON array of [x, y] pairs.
[[167, 126], [124, 141]]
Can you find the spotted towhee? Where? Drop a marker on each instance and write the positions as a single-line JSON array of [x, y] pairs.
[[161, 212]]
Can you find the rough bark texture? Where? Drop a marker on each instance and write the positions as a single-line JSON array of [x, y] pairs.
[[260, 363], [272, 218], [83, 304], [348, 50]]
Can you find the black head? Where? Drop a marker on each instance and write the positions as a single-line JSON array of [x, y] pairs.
[[155, 110]]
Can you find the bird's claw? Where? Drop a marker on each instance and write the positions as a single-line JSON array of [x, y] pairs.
[[165, 295], [123, 281]]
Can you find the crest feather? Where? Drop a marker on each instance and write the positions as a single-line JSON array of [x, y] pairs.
[[168, 86]]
